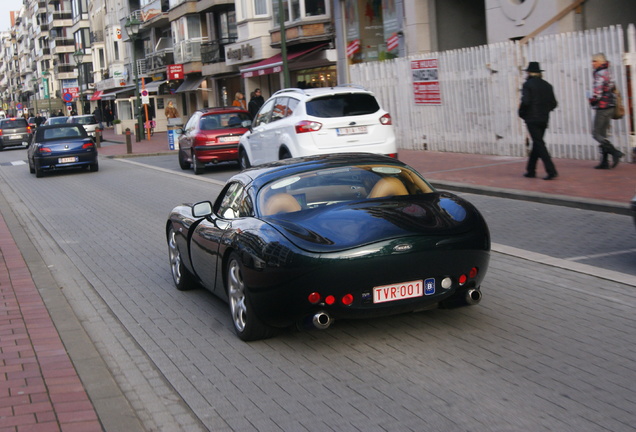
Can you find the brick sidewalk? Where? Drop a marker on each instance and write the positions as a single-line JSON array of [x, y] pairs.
[[39, 387]]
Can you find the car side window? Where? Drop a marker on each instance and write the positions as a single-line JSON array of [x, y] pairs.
[[190, 125], [234, 203], [280, 107], [291, 107], [264, 114]]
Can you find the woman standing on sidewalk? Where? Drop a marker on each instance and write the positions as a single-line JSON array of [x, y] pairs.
[[603, 102]]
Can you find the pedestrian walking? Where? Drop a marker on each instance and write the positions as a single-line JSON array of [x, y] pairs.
[[239, 100], [603, 102], [97, 113], [537, 101], [256, 102]]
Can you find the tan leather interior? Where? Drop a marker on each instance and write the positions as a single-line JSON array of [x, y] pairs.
[[387, 187], [280, 203]]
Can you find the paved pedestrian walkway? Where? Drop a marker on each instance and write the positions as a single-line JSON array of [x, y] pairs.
[[39, 387]]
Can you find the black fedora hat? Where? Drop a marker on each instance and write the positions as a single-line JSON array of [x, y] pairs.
[[533, 67]]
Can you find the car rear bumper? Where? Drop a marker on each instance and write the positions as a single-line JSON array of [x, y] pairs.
[[213, 154], [55, 162]]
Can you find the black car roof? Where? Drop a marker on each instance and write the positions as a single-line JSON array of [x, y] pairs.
[[40, 131], [263, 174]]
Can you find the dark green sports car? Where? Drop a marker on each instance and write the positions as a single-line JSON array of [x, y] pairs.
[[315, 239]]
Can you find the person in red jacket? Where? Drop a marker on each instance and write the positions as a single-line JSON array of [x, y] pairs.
[[603, 101]]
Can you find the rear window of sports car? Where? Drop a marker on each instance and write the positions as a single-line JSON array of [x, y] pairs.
[[319, 188], [342, 105]]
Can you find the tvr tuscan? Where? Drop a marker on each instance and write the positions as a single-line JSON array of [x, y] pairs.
[[315, 239]]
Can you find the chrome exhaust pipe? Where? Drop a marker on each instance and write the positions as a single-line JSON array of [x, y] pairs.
[[473, 296], [321, 321]]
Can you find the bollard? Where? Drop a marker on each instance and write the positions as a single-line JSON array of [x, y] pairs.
[[128, 141], [98, 137]]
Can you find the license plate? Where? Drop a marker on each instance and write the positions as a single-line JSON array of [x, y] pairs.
[[67, 160], [16, 137], [355, 130], [230, 139], [404, 290]]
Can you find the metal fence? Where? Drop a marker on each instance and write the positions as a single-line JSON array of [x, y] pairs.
[[480, 92]]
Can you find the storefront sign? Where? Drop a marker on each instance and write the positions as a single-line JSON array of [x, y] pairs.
[[245, 51], [175, 72], [426, 88]]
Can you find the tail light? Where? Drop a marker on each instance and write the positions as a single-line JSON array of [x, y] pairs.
[[386, 119], [307, 126], [45, 150], [0, 132], [88, 145], [202, 140], [29, 129]]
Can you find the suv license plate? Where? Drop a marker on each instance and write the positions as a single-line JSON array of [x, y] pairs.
[[356, 130], [399, 291], [16, 137], [67, 160]]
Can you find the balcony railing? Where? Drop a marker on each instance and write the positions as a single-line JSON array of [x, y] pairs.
[[188, 51], [97, 36], [159, 60], [214, 52], [64, 68]]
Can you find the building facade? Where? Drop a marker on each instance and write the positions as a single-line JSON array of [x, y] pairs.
[[83, 55]]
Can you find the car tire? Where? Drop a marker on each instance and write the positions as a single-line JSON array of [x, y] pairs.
[[183, 279], [183, 163], [285, 154], [31, 169], [243, 160], [247, 325], [38, 172], [198, 168], [93, 167]]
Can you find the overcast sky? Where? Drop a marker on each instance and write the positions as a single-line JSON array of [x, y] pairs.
[[5, 7]]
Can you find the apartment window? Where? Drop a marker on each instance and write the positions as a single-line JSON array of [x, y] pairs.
[[260, 7], [116, 51], [188, 27], [295, 10]]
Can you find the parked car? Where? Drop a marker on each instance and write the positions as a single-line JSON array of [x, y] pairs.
[[32, 123], [54, 120], [14, 132], [61, 146], [89, 122], [211, 136], [295, 122], [314, 239]]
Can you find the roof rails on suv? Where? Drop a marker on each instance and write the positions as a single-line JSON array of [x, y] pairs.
[[301, 91]]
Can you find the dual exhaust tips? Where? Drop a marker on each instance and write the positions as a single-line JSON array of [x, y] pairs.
[[322, 320]]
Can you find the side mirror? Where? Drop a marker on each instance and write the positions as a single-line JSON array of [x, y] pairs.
[[246, 123], [202, 209]]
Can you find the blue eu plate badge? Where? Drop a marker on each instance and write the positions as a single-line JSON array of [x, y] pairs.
[[429, 286]]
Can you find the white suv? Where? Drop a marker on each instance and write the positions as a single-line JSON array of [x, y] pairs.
[[295, 122]]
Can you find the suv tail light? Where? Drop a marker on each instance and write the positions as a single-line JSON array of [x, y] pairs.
[[307, 126], [29, 129], [386, 119]]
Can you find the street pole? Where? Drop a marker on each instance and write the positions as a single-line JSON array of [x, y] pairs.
[[78, 62], [48, 90], [35, 95], [283, 44], [132, 29]]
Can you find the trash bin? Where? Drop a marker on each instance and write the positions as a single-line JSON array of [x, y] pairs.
[[175, 126]]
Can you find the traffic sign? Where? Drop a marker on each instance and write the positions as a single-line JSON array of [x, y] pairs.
[[19, 106], [67, 97]]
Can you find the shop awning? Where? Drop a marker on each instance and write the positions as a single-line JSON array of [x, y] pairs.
[[97, 95], [153, 86], [112, 94], [190, 84], [274, 64]]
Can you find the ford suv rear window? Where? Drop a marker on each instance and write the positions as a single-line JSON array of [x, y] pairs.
[[342, 105]]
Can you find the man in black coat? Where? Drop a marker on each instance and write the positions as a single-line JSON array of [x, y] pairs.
[[537, 100], [256, 102]]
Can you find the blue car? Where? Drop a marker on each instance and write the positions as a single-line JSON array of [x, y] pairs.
[[59, 147]]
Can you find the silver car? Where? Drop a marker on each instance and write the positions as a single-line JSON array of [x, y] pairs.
[[89, 122]]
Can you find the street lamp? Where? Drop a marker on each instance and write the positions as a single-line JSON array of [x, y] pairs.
[[47, 92], [132, 26], [79, 57]]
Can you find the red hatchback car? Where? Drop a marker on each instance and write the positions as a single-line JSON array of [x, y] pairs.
[[211, 135]]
